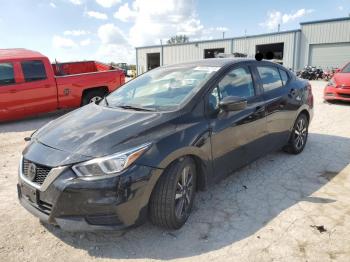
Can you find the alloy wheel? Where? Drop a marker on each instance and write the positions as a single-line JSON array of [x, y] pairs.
[[300, 134], [184, 193]]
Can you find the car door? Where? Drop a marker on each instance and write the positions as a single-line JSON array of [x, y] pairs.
[[7, 89], [235, 133], [279, 111], [36, 90]]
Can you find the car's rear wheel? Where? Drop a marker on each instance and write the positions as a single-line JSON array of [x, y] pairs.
[[299, 135], [172, 199], [93, 96]]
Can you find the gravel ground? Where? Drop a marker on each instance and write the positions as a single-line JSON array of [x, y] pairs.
[[279, 208]]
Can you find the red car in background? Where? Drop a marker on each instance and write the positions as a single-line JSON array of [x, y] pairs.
[[30, 84], [338, 88]]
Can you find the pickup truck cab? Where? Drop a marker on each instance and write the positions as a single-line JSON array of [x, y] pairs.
[[30, 84]]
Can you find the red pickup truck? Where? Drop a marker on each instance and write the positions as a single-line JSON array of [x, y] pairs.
[[30, 84]]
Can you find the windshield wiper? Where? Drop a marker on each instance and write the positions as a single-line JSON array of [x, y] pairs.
[[136, 108]]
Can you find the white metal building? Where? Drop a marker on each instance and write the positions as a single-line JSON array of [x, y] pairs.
[[324, 43]]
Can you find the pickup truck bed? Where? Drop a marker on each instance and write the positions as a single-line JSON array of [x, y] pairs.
[[75, 68], [30, 84]]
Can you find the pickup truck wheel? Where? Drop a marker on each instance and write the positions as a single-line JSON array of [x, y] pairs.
[[172, 199], [93, 96]]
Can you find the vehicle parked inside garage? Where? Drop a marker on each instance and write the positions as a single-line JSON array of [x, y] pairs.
[[30, 85], [145, 149], [338, 88]]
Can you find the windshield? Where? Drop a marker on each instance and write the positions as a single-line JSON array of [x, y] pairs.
[[161, 89], [346, 69]]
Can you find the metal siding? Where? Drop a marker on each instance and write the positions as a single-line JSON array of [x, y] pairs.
[[248, 45], [322, 33], [329, 55], [194, 51], [142, 58]]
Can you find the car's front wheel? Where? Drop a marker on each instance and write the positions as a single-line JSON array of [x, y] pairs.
[[172, 199], [299, 135]]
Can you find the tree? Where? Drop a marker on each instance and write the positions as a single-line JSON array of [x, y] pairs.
[[178, 39]]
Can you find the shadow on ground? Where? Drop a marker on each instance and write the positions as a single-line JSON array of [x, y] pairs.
[[236, 208]]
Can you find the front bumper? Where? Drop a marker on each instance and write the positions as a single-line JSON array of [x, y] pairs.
[[336, 93], [75, 204]]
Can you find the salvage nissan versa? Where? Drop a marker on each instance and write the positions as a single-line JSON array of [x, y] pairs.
[[144, 150]]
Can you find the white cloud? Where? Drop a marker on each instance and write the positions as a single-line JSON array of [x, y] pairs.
[[124, 13], [274, 18], [53, 5], [62, 42], [76, 2], [161, 19], [76, 32], [152, 21], [300, 13], [115, 46], [97, 15], [111, 34], [340, 8], [108, 3], [85, 42]]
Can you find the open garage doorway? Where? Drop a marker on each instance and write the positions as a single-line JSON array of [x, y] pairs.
[[212, 53], [276, 49], [153, 60]]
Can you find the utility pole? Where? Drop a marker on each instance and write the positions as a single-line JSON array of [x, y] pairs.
[[279, 27], [223, 34]]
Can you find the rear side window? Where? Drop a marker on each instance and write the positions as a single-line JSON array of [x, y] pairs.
[[284, 76], [33, 70], [270, 77], [7, 74]]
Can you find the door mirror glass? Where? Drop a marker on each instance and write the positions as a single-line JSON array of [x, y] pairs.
[[233, 103]]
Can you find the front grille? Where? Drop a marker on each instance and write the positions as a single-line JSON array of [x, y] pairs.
[[344, 95], [40, 174]]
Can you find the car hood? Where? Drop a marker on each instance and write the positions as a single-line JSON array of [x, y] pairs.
[[342, 79], [97, 131]]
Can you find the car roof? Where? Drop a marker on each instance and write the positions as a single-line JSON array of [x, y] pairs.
[[15, 53], [218, 62]]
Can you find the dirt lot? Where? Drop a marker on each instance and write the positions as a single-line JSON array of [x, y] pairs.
[[280, 208]]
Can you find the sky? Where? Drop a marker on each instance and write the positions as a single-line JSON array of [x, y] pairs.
[[109, 30]]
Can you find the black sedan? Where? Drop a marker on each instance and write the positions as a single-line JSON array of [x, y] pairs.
[[144, 150]]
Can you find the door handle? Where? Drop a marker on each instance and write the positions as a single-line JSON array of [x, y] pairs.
[[259, 109], [13, 91]]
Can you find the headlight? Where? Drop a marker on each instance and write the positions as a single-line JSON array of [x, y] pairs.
[[110, 165], [331, 82]]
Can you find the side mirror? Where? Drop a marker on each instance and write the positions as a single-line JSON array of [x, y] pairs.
[[233, 103], [337, 70]]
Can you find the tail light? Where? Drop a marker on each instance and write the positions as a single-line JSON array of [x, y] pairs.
[[122, 78]]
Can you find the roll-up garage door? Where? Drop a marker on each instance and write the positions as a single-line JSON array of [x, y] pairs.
[[329, 55]]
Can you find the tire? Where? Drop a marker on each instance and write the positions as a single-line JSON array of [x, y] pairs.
[[171, 202], [93, 96], [298, 136]]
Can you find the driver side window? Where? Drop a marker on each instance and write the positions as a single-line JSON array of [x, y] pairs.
[[237, 82]]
